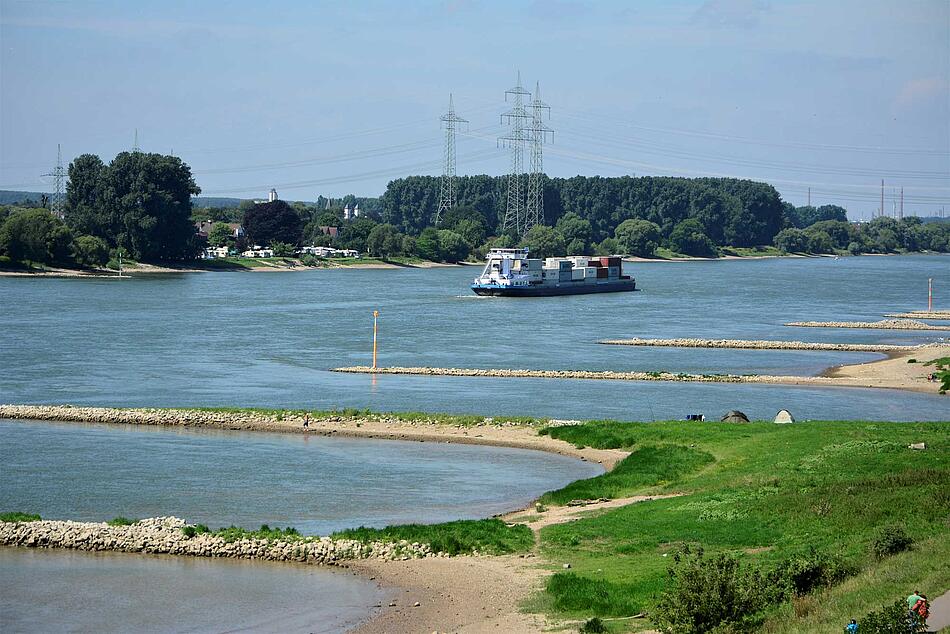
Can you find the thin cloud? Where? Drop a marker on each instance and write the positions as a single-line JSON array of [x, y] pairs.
[[917, 91], [743, 14]]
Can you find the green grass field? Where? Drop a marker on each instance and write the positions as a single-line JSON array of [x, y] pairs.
[[766, 492]]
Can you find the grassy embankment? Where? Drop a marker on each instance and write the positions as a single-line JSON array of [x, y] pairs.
[[767, 492], [237, 263]]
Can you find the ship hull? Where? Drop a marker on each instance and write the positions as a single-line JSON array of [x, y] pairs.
[[540, 290]]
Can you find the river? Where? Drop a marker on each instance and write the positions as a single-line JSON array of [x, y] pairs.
[[269, 339]]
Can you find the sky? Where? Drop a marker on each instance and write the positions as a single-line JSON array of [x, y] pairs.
[[332, 98]]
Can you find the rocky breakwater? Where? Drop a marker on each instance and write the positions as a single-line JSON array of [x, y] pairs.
[[884, 324], [144, 416], [607, 375], [757, 344], [169, 536]]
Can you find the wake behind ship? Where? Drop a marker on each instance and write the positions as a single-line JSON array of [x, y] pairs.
[[511, 273]]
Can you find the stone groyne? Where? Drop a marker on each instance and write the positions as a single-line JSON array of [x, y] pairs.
[[884, 324], [754, 344], [607, 375], [164, 536], [922, 314]]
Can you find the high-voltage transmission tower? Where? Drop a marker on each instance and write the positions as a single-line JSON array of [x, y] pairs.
[[135, 143], [534, 209], [447, 192], [59, 181], [519, 134]]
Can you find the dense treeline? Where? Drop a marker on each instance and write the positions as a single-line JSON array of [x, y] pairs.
[[881, 235], [730, 211]]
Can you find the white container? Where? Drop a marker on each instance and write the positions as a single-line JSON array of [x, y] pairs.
[[577, 274]]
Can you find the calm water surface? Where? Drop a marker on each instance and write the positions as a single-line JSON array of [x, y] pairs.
[[218, 478], [269, 339], [63, 591]]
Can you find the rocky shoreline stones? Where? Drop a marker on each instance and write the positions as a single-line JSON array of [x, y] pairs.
[[164, 536], [554, 374], [757, 344], [884, 324]]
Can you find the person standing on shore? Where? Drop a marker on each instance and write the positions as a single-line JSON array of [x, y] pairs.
[[306, 420]]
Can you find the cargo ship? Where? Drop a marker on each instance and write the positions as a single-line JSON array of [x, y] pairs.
[[511, 273]]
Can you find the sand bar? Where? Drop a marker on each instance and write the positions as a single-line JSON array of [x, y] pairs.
[[755, 344], [884, 324]]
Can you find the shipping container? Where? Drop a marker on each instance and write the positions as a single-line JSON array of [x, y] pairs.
[[580, 263], [613, 271], [577, 274], [612, 261], [601, 273], [590, 271]]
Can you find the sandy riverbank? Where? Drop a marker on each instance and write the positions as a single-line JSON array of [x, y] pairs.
[[891, 373]]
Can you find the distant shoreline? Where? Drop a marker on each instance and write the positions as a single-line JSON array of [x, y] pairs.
[[198, 267]]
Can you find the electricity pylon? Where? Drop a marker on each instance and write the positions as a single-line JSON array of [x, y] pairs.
[[534, 211], [516, 138], [59, 180], [447, 192]]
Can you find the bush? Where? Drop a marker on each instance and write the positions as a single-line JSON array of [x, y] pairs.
[[593, 626], [891, 540], [16, 516], [90, 251], [791, 241], [687, 237], [121, 521], [197, 529], [712, 592], [803, 573], [892, 619]]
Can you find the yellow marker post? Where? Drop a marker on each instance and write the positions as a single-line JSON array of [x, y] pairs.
[[375, 318]]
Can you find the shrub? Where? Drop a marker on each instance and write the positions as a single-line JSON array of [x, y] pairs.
[[593, 626], [892, 619], [121, 521], [491, 536], [807, 571], [891, 540], [912, 361], [90, 251], [711, 592], [16, 516]]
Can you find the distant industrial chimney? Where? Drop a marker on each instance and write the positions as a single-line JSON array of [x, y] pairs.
[[272, 196]]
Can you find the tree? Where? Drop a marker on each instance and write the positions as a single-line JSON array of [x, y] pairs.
[[452, 246], [688, 238], [543, 242], [353, 234], [37, 236], [140, 202], [791, 241], [90, 251], [220, 235], [820, 242], [282, 249], [575, 231], [384, 241], [467, 222], [638, 237], [427, 245], [275, 221], [608, 246]]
